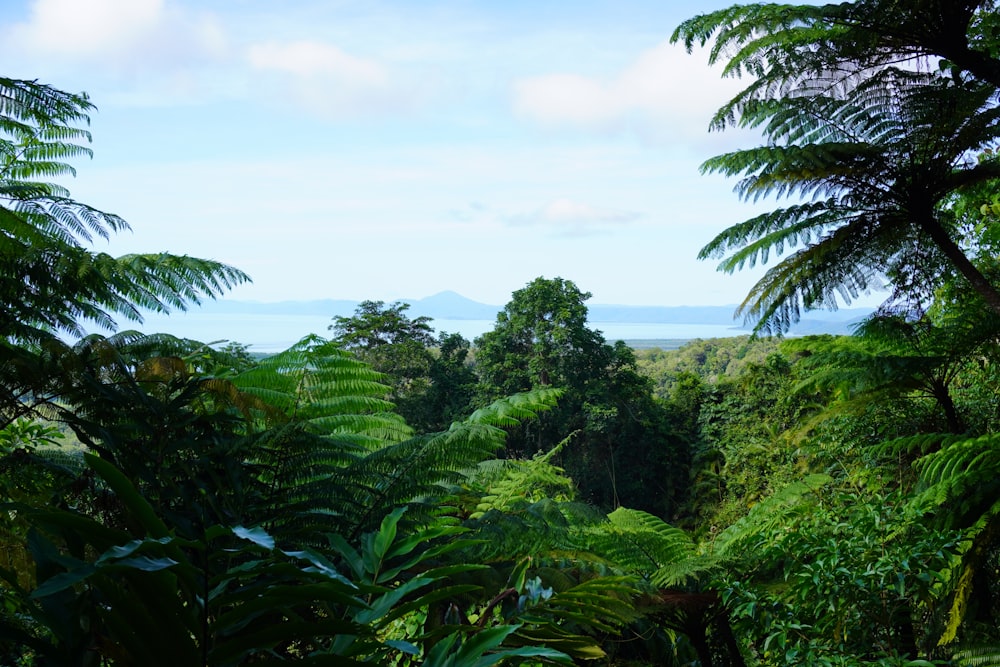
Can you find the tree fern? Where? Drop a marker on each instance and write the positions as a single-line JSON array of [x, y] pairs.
[[343, 459], [876, 146], [642, 544], [895, 356], [508, 484], [54, 282], [960, 482], [958, 487]]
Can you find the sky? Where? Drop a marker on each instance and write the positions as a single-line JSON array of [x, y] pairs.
[[394, 149]]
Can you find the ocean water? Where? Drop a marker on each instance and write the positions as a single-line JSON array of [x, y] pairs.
[[273, 333]]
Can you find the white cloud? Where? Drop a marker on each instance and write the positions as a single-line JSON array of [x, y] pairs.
[[124, 35], [572, 218], [309, 59], [664, 93], [327, 81]]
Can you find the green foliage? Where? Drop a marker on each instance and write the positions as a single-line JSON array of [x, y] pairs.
[[375, 326], [221, 509], [957, 488], [856, 582], [316, 383], [625, 451], [452, 384], [644, 545], [710, 360], [770, 516], [509, 484], [270, 531], [155, 596], [982, 656], [431, 382], [394, 344], [896, 356], [540, 338], [958, 477], [859, 227], [745, 452], [33, 466]]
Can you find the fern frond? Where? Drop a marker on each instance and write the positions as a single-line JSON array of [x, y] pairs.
[[641, 544], [981, 540], [336, 394], [979, 656], [963, 476], [418, 471], [511, 410], [881, 145], [767, 515], [602, 604]]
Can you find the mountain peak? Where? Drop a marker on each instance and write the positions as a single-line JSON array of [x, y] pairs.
[[449, 305]]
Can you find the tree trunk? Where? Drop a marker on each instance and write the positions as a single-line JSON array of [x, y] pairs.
[[729, 640], [699, 640], [906, 639], [943, 398], [943, 240]]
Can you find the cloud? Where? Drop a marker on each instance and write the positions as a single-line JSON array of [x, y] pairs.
[[123, 35], [571, 218], [665, 93], [326, 80], [309, 59]]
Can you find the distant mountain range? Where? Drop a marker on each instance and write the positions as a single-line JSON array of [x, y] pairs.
[[453, 306]]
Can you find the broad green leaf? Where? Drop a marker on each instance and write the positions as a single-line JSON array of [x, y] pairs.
[[63, 581], [257, 535]]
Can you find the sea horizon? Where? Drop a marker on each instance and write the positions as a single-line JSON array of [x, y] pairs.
[[269, 333]]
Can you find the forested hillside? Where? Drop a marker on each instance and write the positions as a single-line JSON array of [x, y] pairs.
[[384, 493]]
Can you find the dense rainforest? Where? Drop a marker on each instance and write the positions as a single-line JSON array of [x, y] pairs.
[[383, 493]]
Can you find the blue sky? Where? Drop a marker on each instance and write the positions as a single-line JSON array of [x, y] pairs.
[[394, 149]]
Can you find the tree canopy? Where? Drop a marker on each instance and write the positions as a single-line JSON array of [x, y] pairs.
[[621, 443], [539, 497]]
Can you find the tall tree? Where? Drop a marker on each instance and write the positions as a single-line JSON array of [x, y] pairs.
[[540, 338], [622, 450]]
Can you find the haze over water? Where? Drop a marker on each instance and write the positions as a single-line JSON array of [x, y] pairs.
[[273, 333]]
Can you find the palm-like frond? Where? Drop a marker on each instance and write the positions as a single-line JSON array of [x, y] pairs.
[[958, 488], [892, 356], [511, 484], [39, 129], [962, 476], [419, 471], [877, 165], [881, 143], [54, 283], [343, 459], [786, 48], [602, 604]]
